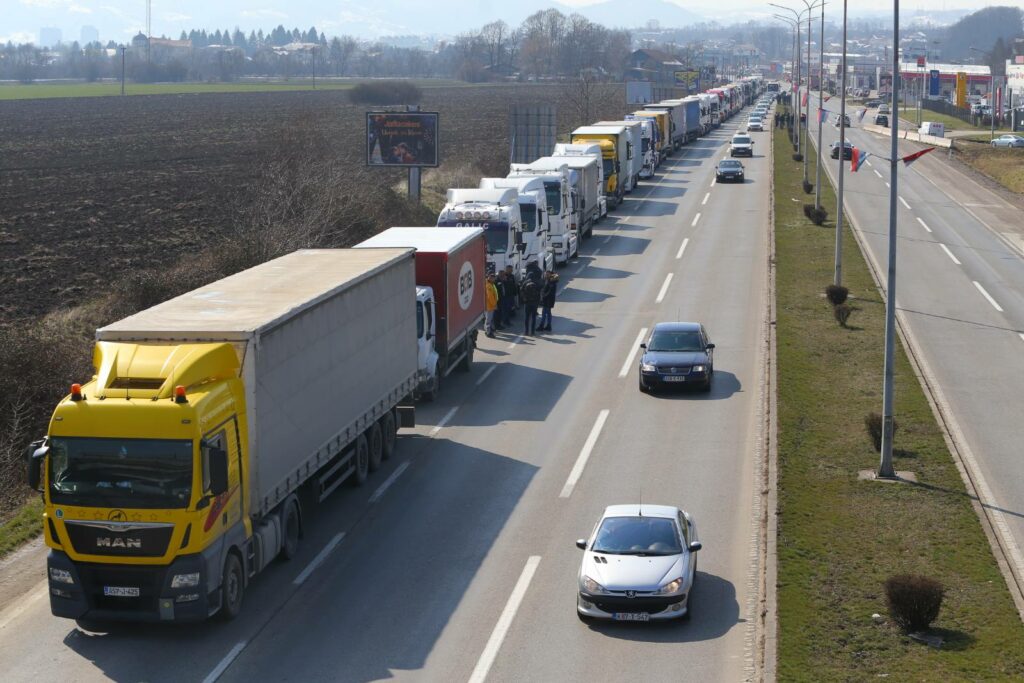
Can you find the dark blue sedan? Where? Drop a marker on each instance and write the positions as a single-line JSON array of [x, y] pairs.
[[677, 354]]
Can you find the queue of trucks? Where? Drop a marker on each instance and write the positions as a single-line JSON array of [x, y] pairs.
[[214, 420]]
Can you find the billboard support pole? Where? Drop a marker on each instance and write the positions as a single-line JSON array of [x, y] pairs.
[[414, 173]]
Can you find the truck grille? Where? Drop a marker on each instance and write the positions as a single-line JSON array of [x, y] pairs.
[[123, 539]]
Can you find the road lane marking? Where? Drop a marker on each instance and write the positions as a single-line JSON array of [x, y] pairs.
[[695, 219], [225, 663], [389, 481], [682, 248], [581, 461], [904, 203], [869, 163], [876, 172], [888, 185], [705, 200], [713, 182], [923, 225], [483, 665], [664, 289], [444, 420], [1021, 335], [515, 341], [949, 253], [632, 352], [483, 377], [318, 560], [988, 296]]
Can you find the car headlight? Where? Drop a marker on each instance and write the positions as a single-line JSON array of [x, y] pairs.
[[185, 580], [648, 367], [670, 588], [698, 368], [61, 575], [591, 586]]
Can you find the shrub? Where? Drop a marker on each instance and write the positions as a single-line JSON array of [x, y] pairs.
[[914, 601], [836, 294], [385, 92], [842, 313], [808, 187], [816, 215], [873, 423], [798, 157]]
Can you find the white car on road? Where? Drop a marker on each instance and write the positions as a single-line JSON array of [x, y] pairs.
[[755, 123], [639, 564]]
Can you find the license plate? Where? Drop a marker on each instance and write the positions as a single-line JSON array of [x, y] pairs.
[[631, 616], [121, 591], [674, 379]]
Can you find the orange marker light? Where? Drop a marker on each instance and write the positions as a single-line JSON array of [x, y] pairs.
[[76, 392], [179, 394]]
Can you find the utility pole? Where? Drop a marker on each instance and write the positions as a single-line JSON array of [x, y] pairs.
[[821, 105], [123, 50], [807, 102], [838, 278]]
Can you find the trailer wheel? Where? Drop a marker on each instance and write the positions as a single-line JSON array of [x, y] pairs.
[[360, 461], [376, 441], [389, 430], [291, 527], [232, 588], [466, 364]]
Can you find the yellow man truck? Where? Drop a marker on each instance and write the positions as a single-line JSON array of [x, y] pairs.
[[616, 155], [173, 476]]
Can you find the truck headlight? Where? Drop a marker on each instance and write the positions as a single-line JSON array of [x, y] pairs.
[[648, 367], [592, 586], [61, 575], [670, 588], [185, 580]]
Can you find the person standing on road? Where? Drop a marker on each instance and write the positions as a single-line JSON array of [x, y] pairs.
[[501, 284], [530, 294], [511, 293], [491, 305], [547, 300]]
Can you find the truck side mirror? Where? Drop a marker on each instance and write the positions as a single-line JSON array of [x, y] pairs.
[[521, 247], [218, 470], [35, 455]]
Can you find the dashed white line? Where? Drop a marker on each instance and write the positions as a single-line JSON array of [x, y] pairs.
[[682, 248], [515, 341], [483, 377], [904, 203], [888, 185], [632, 352], [223, 665], [318, 560], [876, 171], [1021, 335], [695, 219], [949, 253], [713, 183], [988, 296], [923, 225], [389, 481], [869, 163], [483, 665], [664, 289], [444, 420], [705, 200], [584, 456]]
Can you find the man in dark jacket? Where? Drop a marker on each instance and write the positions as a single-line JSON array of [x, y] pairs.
[[547, 300], [529, 293], [502, 285], [512, 290]]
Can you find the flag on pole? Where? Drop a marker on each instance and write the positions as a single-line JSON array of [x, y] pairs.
[[860, 115], [911, 158], [858, 159], [822, 115]]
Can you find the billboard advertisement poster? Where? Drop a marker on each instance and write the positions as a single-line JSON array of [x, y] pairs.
[[639, 92], [933, 82], [961, 89], [402, 139], [687, 79]]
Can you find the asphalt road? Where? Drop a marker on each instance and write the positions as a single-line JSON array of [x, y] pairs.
[[960, 293], [457, 561]]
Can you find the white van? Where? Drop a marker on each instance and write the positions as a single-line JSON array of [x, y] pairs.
[[932, 128]]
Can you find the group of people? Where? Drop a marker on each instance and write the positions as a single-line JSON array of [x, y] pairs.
[[538, 288]]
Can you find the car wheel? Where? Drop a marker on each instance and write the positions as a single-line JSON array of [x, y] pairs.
[[707, 386], [232, 588]]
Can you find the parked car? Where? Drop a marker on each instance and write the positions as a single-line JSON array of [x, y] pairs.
[[847, 150], [882, 120], [729, 170], [1008, 141], [742, 146], [638, 564], [677, 354]]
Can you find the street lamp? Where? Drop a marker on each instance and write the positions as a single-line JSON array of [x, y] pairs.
[[991, 91], [795, 139], [838, 276], [821, 100]]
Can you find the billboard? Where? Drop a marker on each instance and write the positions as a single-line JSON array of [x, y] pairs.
[[532, 131], [402, 139], [961, 89], [639, 92], [687, 79], [933, 82]]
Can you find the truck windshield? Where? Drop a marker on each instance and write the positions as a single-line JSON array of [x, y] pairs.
[[554, 194], [495, 233], [124, 473], [529, 214]]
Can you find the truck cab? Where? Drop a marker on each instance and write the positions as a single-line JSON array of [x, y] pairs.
[[541, 229], [497, 213], [648, 147], [661, 135], [560, 189], [615, 156]]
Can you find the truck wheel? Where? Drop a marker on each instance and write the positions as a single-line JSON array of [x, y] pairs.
[[360, 461], [389, 430], [466, 364], [232, 588], [376, 441], [290, 529]]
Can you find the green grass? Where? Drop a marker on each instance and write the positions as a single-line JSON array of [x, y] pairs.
[[950, 122], [840, 538], [1003, 165], [23, 525]]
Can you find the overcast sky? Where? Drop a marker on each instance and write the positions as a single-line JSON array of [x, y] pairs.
[[118, 20]]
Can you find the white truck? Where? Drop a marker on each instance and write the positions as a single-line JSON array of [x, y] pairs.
[[634, 133], [591, 185], [560, 183], [677, 118], [585, 149], [497, 213], [539, 226], [648, 153]]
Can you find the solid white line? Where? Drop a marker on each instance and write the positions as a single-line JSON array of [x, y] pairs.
[[13, 612], [632, 352], [444, 420], [1021, 335], [988, 296], [713, 183], [581, 461], [705, 200], [483, 665], [695, 219], [389, 481], [487, 373], [515, 341], [664, 289], [876, 172], [225, 663], [904, 202], [682, 248], [319, 559], [949, 253], [923, 225]]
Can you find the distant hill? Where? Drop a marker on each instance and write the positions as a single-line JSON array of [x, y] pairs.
[[636, 13], [982, 30]]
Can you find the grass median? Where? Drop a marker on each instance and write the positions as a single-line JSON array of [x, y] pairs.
[[840, 538]]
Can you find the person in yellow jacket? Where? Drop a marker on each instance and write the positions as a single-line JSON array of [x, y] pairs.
[[491, 305]]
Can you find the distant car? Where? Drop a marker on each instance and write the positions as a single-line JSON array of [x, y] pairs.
[[1008, 141], [847, 150], [755, 123], [742, 146], [846, 121], [677, 354], [729, 170], [871, 104], [882, 120], [639, 564], [883, 108]]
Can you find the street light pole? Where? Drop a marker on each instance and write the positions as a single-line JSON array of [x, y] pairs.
[[838, 279], [821, 105], [123, 50], [991, 92]]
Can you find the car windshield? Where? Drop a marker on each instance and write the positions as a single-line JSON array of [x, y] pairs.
[[741, 140], [665, 340], [130, 473], [729, 163], [637, 536]]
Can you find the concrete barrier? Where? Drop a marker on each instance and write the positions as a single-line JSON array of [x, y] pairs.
[[911, 135]]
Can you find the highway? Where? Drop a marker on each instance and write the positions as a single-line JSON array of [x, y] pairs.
[[457, 561], [960, 295]]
